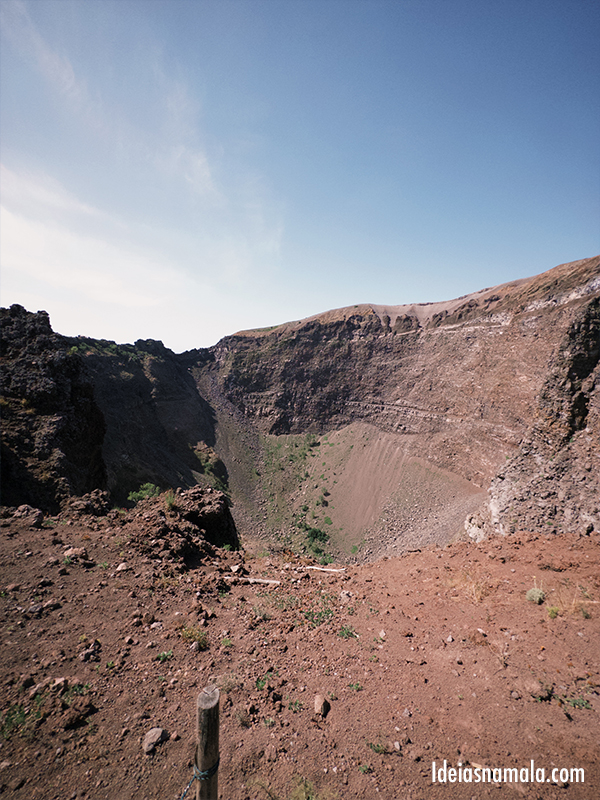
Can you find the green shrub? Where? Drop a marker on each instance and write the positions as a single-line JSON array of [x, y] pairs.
[[145, 490]]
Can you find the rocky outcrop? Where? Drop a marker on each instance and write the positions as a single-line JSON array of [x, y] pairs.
[[52, 429], [552, 483], [182, 527]]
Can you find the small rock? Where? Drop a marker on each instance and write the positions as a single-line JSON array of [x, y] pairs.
[[450, 639], [123, 567], [322, 706], [59, 685], [152, 738], [92, 653], [75, 552], [271, 752], [31, 515]]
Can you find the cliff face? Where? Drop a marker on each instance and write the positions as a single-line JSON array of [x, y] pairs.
[[418, 411], [553, 483], [158, 427], [52, 429], [457, 384]]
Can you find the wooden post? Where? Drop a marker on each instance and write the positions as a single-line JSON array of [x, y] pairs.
[[207, 749]]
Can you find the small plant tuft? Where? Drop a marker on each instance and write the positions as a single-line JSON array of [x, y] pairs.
[[164, 656], [170, 500], [536, 595], [193, 633]]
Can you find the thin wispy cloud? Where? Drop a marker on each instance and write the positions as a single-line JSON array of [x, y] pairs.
[[47, 253], [211, 227], [39, 196], [55, 67]]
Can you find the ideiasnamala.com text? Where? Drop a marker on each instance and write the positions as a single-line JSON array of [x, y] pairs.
[[475, 773]]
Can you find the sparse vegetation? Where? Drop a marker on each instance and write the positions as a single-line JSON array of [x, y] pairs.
[[170, 500], [193, 633], [322, 613], [167, 655], [145, 490], [536, 595], [378, 748], [210, 465], [12, 720], [262, 682], [261, 614]]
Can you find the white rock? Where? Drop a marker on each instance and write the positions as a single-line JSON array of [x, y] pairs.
[[153, 737]]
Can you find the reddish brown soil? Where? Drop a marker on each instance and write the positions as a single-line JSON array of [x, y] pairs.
[[444, 659]]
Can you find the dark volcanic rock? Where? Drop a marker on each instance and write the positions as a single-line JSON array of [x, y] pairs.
[[159, 427], [185, 526], [52, 430]]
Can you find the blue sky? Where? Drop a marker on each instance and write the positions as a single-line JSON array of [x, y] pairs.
[[182, 169]]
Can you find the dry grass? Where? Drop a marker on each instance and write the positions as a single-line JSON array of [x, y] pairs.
[[475, 588], [570, 599], [229, 683]]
